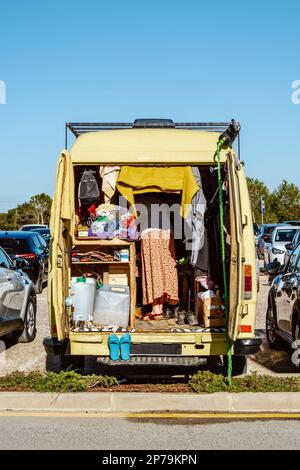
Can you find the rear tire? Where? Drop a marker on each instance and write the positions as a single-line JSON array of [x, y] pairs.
[[296, 337], [239, 365], [38, 287], [274, 341], [29, 332], [59, 362]]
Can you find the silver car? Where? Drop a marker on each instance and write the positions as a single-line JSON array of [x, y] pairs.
[[291, 246], [17, 300], [281, 236]]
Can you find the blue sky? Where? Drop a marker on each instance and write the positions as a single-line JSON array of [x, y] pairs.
[[95, 60]]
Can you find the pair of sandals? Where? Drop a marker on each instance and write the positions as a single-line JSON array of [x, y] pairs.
[[153, 316], [119, 347]]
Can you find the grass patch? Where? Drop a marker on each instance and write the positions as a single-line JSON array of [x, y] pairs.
[[68, 381], [207, 382]]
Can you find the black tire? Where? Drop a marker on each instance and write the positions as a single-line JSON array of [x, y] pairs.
[[239, 365], [274, 340], [29, 332], [38, 287], [295, 358], [59, 362]]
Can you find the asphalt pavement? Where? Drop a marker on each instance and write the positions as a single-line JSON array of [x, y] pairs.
[[86, 433]]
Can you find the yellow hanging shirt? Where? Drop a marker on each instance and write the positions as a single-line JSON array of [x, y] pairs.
[[172, 179]]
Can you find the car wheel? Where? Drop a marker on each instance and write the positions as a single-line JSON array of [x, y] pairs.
[[274, 341], [59, 362], [39, 283], [29, 332], [296, 341], [239, 365]]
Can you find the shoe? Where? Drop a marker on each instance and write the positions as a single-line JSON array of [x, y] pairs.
[[191, 318], [181, 317], [114, 347], [175, 312], [168, 314], [125, 341]]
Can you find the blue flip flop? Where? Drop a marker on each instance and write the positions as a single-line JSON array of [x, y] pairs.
[[125, 341], [114, 347]]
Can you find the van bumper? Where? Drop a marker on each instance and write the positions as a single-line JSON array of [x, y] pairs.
[[54, 346], [246, 347]]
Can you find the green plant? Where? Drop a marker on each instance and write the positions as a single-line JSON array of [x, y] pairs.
[[68, 381], [207, 382]]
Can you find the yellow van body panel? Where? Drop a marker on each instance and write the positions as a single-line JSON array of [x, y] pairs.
[[152, 146]]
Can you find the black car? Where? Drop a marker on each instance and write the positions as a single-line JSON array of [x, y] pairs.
[[283, 314], [32, 247]]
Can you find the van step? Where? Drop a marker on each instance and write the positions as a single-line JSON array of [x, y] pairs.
[[183, 361]]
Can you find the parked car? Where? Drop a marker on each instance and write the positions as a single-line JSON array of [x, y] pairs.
[[292, 222], [291, 246], [32, 247], [26, 228], [264, 237], [44, 232], [283, 313], [281, 235], [17, 300]]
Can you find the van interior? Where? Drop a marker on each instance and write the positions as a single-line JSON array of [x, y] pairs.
[[111, 269]]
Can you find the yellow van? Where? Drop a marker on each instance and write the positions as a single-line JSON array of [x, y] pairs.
[[78, 253]]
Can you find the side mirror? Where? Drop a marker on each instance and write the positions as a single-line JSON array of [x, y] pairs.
[[273, 268], [289, 246], [20, 263]]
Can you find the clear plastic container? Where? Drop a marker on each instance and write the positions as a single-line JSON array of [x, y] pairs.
[[112, 306], [83, 291]]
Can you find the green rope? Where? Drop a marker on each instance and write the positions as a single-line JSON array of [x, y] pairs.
[[226, 296]]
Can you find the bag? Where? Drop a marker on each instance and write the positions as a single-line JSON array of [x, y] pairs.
[[88, 190]]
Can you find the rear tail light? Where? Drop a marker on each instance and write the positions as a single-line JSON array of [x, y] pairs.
[[246, 328], [28, 256], [247, 281]]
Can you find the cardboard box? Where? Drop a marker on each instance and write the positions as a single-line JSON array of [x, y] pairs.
[[213, 312], [118, 279]]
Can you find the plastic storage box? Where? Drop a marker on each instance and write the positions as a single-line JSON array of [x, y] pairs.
[[112, 306]]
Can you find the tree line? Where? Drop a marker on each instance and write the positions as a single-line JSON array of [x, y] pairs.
[[35, 211], [281, 204]]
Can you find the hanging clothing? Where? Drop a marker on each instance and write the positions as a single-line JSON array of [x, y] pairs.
[[173, 179], [159, 273], [109, 175], [196, 219]]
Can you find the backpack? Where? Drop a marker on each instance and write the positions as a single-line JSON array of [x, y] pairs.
[[88, 190]]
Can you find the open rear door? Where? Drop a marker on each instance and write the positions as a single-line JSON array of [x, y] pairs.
[[235, 277], [61, 244]]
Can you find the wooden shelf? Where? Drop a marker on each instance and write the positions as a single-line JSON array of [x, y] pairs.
[[99, 242]]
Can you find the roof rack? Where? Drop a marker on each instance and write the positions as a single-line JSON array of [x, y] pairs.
[[79, 128]]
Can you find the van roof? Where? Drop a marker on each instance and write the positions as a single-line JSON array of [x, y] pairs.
[[146, 146]]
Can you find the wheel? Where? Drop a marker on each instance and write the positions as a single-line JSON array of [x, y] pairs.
[[38, 287], [274, 341], [239, 365], [29, 332], [59, 362], [295, 358]]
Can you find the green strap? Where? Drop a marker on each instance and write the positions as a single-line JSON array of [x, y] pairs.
[[226, 296]]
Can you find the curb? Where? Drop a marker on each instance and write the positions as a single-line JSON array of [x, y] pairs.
[[98, 402]]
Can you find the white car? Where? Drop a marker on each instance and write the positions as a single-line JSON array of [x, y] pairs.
[[29, 227], [281, 235]]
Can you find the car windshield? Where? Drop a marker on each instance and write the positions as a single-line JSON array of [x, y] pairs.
[[14, 245], [284, 235]]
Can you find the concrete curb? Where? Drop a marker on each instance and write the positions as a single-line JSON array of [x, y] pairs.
[[150, 402]]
